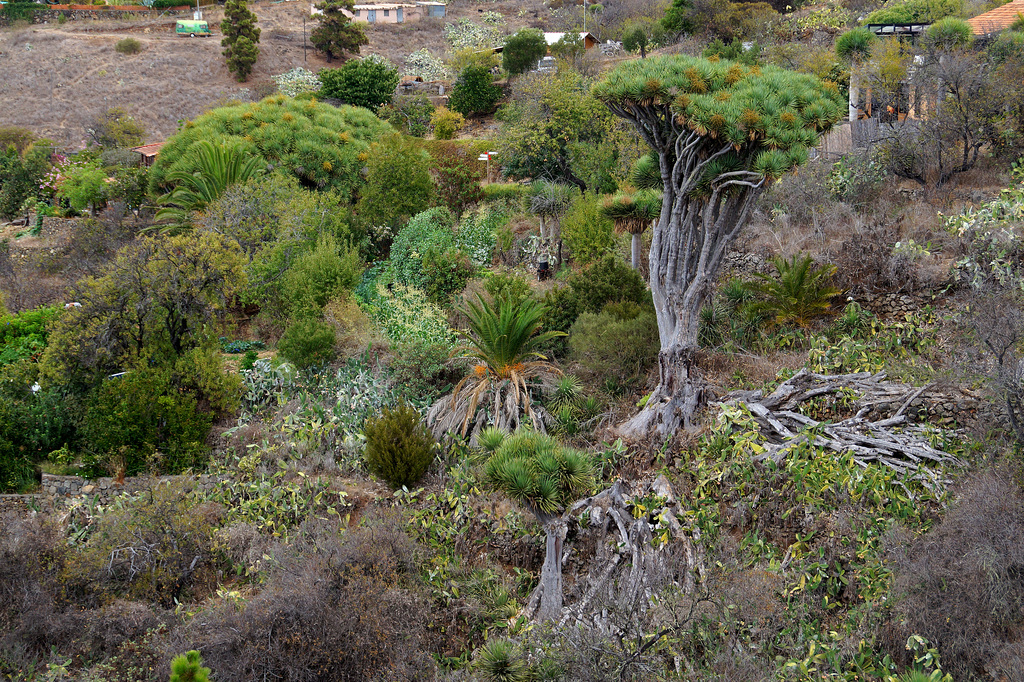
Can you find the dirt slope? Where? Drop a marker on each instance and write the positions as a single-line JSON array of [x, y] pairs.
[[55, 78]]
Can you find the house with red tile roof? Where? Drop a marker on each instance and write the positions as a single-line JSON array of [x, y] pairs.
[[997, 20]]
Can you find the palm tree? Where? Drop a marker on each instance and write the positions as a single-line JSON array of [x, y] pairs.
[[503, 343], [217, 167], [801, 293], [538, 473], [633, 213]]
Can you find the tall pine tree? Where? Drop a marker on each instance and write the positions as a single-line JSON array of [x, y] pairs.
[[336, 33], [240, 38]]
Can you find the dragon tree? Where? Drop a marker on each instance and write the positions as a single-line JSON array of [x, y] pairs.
[[722, 132]]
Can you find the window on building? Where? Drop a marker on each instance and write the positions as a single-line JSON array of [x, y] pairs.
[[387, 13]]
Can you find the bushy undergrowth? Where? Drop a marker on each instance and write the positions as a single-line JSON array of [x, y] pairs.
[[617, 346], [590, 290]]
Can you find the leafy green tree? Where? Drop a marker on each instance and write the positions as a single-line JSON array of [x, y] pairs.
[[217, 168], [523, 50], [241, 38], [550, 125], [21, 175], [84, 186], [398, 182], [735, 51], [474, 92], [153, 300], [456, 177], [722, 132], [189, 668], [678, 18], [502, 342], [336, 34], [368, 83], [570, 48], [535, 471], [115, 128], [317, 143], [636, 39]]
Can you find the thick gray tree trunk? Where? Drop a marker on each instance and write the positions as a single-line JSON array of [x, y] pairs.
[[551, 572], [689, 245]]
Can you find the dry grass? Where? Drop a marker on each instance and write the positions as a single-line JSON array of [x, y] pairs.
[[59, 77]]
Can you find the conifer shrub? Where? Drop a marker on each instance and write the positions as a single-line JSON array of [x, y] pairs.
[[189, 668], [399, 448], [307, 341]]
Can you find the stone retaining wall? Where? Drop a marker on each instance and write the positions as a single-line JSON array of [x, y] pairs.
[[60, 490]]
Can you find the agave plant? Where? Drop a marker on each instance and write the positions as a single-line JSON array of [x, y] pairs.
[[219, 167], [502, 343], [633, 213], [801, 293], [535, 471]]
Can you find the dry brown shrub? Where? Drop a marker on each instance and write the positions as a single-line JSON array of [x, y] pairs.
[[354, 332], [962, 584], [337, 607]]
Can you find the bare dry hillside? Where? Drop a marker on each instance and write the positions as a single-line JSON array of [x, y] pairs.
[[54, 79]]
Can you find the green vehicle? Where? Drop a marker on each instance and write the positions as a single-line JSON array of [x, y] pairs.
[[192, 28]]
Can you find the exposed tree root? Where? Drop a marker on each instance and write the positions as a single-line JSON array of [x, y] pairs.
[[892, 441]]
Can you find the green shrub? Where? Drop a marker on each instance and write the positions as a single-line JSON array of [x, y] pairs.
[[424, 370], [618, 345], [410, 114], [189, 668], [368, 83], [916, 12], [588, 234], [590, 290], [405, 313], [512, 288], [128, 46], [324, 273], [523, 50], [307, 341], [474, 92], [446, 123], [446, 273], [144, 418], [398, 181], [248, 360], [432, 228], [23, 334], [457, 176], [507, 193], [399, 448], [16, 470]]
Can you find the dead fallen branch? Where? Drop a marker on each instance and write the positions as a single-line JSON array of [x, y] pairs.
[[891, 440]]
